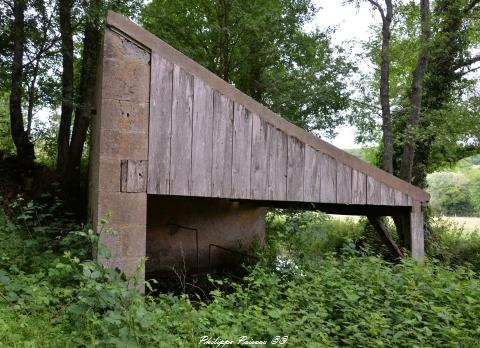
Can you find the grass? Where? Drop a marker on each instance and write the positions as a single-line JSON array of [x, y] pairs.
[[329, 294], [469, 224]]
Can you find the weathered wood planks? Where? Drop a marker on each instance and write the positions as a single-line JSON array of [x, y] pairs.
[[181, 137], [222, 146], [387, 195], [401, 198], [202, 139], [359, 187], [259, 163], [133, 175], [242, 152], [295, 169], [373, 191], [344, 184], [312, 177], [328, 173], [161, 86], [277, 165], [207, 145]]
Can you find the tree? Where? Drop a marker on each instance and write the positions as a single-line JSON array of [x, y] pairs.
[[386, 14], [86, 95], [20, 137], [31, 39], [66, 33], [416, 92], [447, 105], [450, 194], [261, 48], [84, 19], [446, 128], [6, 144]]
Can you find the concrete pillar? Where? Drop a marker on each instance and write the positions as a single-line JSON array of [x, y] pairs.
[[120, 133]]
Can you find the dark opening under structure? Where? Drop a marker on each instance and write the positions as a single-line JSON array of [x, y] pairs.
[[181, 160]]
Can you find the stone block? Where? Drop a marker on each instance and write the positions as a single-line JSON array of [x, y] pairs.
[[123, 208], [124, 115], [126, 80], [116, 46], [128, 240], [109, 175], [120, 145]]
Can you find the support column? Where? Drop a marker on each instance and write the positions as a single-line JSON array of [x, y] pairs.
[[416, 232], [120, 147]]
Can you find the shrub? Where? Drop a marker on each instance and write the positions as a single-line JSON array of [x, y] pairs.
[[450, 193], [327, 294], [453, 246]]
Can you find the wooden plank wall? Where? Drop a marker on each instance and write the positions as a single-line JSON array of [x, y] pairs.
[[201, 143]]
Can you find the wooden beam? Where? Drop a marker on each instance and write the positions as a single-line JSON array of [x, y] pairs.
[[133, 175], [383, 232], [416, 235]]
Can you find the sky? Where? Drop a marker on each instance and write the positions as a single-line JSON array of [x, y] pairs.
[[351, 24]]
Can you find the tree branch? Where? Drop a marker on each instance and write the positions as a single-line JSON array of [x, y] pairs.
[[463, 73], [471, 5], [8, 4], [379, 8], [467, 62]]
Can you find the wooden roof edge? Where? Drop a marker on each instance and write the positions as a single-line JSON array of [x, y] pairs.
[[150, 41]]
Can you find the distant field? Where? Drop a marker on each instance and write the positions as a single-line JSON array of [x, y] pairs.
[[469, 223]]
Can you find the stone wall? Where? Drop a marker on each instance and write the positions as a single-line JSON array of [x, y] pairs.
[[120, 132]]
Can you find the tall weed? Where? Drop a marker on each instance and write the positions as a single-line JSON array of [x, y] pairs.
[[326, 293]]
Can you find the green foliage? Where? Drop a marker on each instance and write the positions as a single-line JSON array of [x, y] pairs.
[[456, 192], [371, 155], [473, 176], [448, 129], [308, 236], [453, 246], [6, 143], [52, 294], [450, 194], [262, 50]]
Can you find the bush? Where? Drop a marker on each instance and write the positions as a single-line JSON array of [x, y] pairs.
[[324, 294], [450, 194], [309, 235], [453, 246]]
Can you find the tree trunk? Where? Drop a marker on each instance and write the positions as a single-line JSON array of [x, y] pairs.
[[31, 96], [416, 94], [224, 44], [66, 33], [387, 162], [86, 93], [24, 146], [441, 74]]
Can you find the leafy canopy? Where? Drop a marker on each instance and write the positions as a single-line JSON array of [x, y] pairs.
[[262, 49]]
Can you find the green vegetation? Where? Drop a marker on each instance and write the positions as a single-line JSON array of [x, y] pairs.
[[321, 282], [311, 284], [263, 51], [457, 192]]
